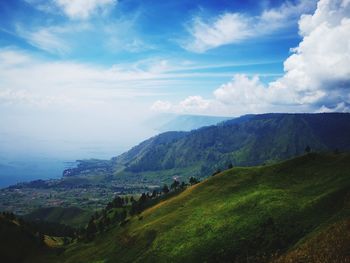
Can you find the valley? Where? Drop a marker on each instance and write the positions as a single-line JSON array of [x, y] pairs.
[[259, 188], [245, 141], [271, 213]]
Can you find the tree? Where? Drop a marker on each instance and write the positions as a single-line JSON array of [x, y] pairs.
[[230, 166], [165, 189], [101, 226], [126, 200], [65, 241], [123, 215], [193, 180], [216, 172], [91, 229], [175, 184], [143, 198], [154, 194], [308, 149], [118, 202], [41, 238]]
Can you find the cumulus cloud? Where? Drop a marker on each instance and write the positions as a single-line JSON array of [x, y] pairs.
[[231, 28], [317, 73], [241, 90]]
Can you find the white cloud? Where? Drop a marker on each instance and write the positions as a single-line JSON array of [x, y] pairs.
[[316, 78], [225, 29], [121, 35], [29, 81], [241, 90], [193, 103], [9, 57], [74, 9], [340, 107], [45, 39], [161, 106], [318, 71], [83, 9], [231, 28], [60, 101]]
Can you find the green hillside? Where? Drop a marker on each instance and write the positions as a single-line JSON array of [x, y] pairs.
[[249, 140], [240, 215], [72, 216], [245, 141]]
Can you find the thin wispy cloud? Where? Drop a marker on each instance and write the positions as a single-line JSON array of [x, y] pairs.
[[75, 9], [228, 28], [46, 39]]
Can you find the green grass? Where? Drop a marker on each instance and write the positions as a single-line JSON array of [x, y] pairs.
[[241, 213]]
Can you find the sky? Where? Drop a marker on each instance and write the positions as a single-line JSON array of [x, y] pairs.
[[81, 78]]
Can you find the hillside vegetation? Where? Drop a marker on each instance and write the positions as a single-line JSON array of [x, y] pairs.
[[72, 216], [257, 214], [245, 141], [18, 242]]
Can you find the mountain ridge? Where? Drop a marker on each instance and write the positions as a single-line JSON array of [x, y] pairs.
[[244, 141]]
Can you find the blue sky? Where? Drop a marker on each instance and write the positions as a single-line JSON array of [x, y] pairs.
[[88, 74]]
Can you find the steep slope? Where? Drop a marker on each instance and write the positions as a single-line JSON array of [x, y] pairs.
[[17, 242], [249, 140], [245, 141], [240, 215], [71, 216], [330, 245]]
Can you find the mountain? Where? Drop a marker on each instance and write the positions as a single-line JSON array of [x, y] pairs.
[[248, 140], [245, 141], [189, 122], [285, 212]]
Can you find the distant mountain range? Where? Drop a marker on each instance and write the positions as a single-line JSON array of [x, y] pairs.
[[244, 141], [186, 122]]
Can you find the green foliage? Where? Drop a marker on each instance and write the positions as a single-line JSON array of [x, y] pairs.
[[19, 241], [175, 185], [193, 180], [165, 189], [242, 214], [248, 140], [72, 216]]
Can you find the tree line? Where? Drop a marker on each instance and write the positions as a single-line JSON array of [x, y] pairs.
[[120, 207]]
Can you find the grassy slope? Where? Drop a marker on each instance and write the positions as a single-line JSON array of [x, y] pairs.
[[17, 242], [71, 216], [330, 245], [240, 212]]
